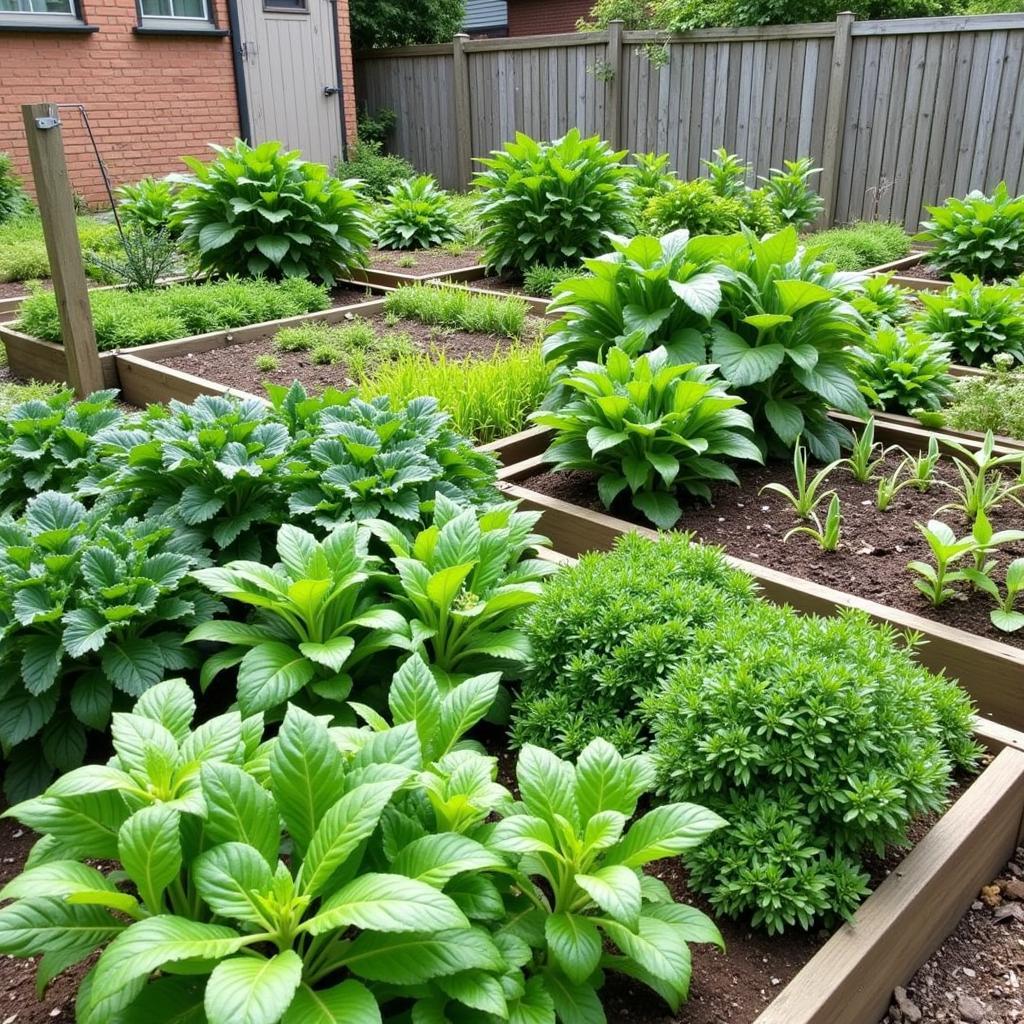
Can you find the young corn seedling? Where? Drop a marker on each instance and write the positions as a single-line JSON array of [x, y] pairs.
[[1004, 616], [866, 455], [827, 536], [982, 487], [889, 487], [806, 497], [946, 550]]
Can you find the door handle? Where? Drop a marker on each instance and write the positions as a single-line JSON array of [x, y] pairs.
[[331, 90]]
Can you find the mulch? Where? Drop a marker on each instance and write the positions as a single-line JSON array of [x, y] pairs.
[[875, 546], [424, 261]]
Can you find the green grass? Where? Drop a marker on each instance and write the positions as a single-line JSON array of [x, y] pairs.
[[458, 310], [12, 394], [861, 245], [23, 250], [358, 344], [486, 398]]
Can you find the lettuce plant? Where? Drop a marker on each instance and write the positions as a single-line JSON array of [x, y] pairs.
[[91, 613], [416, 215], [903, 370], [551, 202], [464, 581], [265, 211], [651, 425], [319, 614]]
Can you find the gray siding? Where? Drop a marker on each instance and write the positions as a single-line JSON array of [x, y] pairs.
[[485, 14]]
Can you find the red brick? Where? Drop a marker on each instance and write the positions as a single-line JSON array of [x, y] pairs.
[[545, 17]]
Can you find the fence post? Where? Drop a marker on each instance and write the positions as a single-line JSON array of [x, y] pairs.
[[463, 125], [613, 86], [57, 211], [835, 115]]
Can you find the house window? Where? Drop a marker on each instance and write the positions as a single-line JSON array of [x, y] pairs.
[[178, 17], [40, 14], [286, 6], [65, 7], [195, 10]]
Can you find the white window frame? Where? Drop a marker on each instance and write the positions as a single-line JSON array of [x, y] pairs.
[[187, 23], [42, 19]]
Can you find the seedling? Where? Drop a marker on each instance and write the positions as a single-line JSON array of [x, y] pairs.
[[922, 469], [986, 540], [978, 491], [946, 550], [889, 487], [1004, 617], [867, 454], [806, 498], [827, 537], [266, 362]]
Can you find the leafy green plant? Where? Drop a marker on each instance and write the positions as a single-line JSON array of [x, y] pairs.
[[903, 370], [23, 249], [946, 550], [790, 193], [698, 208], [458, 309], [375, 170], [147, 257], [147, 203], [551, 202], [612, 628], [416, 215], [91, 612], [866, 454], [782, 339], [266, 363], [652, 176], [376, 462], [264, 211], [126, 320], [888, 487], [922, 468], [736, 724], [651, 425], [827, 536], [882, 303], [660, 292], [375, 126], [862, 245], [14, 200], [355, 343], [987, 541], [1004, 616], [727, 173], [320, 613], [545, 281], [982, 486], [979, 235], [805, 499], [976, 320], [463, 583], [992, 402]]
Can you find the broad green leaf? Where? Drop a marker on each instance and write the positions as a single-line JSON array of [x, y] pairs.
[[702, 293], [414, 697], [796, 295], [658, 947], [57, 878], [149, 848], [270, 675], [665, 831], [347, 1003], [253, 990], [172, 704], [477, 990], [240, 810], [228, 877], [575, 1004], [436, 859], [742, 364], [333, 654], [574, 943], [616, 890], [171, 1000], [412, 958], [785, 418], [547, 785]]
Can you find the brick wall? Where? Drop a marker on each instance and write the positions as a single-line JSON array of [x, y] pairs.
[[545, 17], [348, 76]]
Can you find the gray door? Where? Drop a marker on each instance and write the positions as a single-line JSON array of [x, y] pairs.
[[290, 64]]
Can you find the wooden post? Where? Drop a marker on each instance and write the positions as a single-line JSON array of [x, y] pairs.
[[463, 111], [613, 86], [835, 115], [57, 211]]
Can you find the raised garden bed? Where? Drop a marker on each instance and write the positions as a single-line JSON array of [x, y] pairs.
[[912, 272], [385, 267]]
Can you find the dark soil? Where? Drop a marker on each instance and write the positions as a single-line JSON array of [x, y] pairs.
[[350, 294], [234, 366], [874, 550], [425, 261], [923, 271], [12, 289]]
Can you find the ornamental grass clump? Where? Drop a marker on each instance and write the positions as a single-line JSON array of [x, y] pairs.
[[458, 309], [818, 740]]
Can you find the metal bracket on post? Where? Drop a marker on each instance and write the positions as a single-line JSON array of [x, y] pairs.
[[45, 123]]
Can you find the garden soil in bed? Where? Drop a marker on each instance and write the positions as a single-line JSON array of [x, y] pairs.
[[424, 261], [923, 272], [234, 365], [875, 546]]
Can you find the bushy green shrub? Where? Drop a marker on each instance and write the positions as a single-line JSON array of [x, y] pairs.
[[458, 309], [265, 211], [696, 207], [978, 321], [727, 172], [127, 319], [611, 629], [980, 236], [551, 202], [741, 722], [23, 249], [651, 425], [14, 200], [882, 303], [994, 402], [375, 127], [652, 176], [416, 215], [544, 281], [903, 370], [147, 203], [861, 245], [376, 171], [790, 194]]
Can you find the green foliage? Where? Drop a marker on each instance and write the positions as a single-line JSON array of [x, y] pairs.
[[487, 398], [14, 200], [377, 23], [790, 194], [545, 281], [806, 497], [782, 339], [128, 319], [90, 612], [982, 485], [14, 393], [1004, 616], [356, 344], [551, 202], [827, 536], [416, 215], [977, 321], [612, 628], [146, 257], [727, 173], [652, 425], [375, 127], [994, 402], [23, 250], [697, 207], [266, 363], [147, 203], [861, 245], [463, 583], [267, 212], [903, 370], [980, 236], [652, 176], [738, 723], [458, 309], [882, 303], [376, 171], [934, 581]]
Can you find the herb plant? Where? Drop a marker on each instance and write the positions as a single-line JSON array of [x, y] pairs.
[[828, 535], [264, 211], [903, 370], [805, 499], [546, 282], [147, 203], [696, 206], [416, 215], [982, 485], [994, 402], [458, 309], [882, 303], [551, 202], [651, 425], [147, 256], [866, 454], [790, 193], [727, 172], [946, 550]]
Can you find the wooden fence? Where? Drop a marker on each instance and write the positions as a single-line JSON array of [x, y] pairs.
[[898, 113]]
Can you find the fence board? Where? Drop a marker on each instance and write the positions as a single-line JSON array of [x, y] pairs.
[[933, 107]]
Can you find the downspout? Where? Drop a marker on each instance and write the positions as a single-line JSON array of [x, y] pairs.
[[341, 80], [237, 60]]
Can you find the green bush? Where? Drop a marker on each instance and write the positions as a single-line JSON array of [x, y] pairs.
[[147, 203], [976, 320], [903, 370], [980, 236], [14, 200], [375, 127], [611, 629], [741, 723], [994, 402], [790, 195], [376, 171], [267, 212], [651, 176], [551, 202], [696, 207], [458, 309], [127, 319], [23, 250], [860, 246], [884, 304], [416, 215], [544, 281]]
